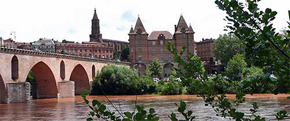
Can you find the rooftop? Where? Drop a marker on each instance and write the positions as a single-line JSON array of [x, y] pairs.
[[154, 35]]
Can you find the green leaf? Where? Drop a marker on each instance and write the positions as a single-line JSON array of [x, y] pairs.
[[189, 113], [128, 114], [102, 108], [95, 102], [151, 111]]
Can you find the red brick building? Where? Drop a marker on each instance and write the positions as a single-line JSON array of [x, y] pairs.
[[97, 47], [144, 48], [205, 52], [89, 49]]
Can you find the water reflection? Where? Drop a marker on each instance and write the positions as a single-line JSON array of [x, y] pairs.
[[75, 109]]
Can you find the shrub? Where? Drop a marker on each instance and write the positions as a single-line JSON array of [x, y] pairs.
[[172, 88], [146, 85]]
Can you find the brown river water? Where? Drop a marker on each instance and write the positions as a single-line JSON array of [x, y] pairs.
[[74, 109]]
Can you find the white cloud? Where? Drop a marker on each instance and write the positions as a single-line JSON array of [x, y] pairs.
[[71, 19]]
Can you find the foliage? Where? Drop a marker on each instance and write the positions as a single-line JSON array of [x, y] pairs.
[[30, 78], [191, 69], [181, 109], [125, 54], [235, 68], [146, 85], [266, 48], [155, 68], [101, 112], [117, 80], [116, 55], [172, 88], [226, 46]]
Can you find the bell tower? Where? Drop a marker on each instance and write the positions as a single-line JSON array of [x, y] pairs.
[[95, 35]]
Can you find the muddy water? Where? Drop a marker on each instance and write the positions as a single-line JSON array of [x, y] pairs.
[[75, 109]]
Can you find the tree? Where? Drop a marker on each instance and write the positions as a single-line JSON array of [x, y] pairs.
[[117, 80], [116, 55], [226, 46], [125, 54], [235, 68], [156, 68]]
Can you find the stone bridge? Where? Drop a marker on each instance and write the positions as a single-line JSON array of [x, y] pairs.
[[56, 75]]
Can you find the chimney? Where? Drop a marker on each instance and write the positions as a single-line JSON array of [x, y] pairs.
[[175, 28]]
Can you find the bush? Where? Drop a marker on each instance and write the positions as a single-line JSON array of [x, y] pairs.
[[172, 88], [116, 80], [146, 85]]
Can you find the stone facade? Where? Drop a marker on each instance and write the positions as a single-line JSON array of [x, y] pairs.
[[9, 43], [144, 48], [44, 45]]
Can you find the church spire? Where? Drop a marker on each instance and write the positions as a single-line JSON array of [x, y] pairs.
[[95, 15], [139, 27], [181, 26], [96, 35]]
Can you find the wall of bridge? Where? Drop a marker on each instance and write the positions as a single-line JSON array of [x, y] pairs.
[[47, 70]]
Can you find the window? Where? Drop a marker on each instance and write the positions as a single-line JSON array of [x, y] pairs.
[[140, 58], [80, 50], [107, 51], [169, 58], [161, 50], [162, 58], [85, 50], [153, 57], [153, 49], [183, 41], [132, 50], [161, 42], [153, 42]]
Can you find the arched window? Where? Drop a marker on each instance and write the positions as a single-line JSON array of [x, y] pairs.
[[14, 68], [62, 70], [93, 71]]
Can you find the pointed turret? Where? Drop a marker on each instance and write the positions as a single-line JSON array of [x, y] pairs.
[[95, 15], [181, 26], [189, 30], [139, 28], [131, 30]]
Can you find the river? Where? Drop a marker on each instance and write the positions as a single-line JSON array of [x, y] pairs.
[[70, 109]]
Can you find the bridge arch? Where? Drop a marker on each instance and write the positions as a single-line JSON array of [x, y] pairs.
[[62, 70], [81, 79], [14, 68], [45, 86]]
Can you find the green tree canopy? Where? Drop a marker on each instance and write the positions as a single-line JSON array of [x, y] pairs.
[[116, 80], [156, 68], [235, 67], [125, 54], [226, 46]]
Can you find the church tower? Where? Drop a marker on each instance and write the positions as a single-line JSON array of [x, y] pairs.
[[96, 35]]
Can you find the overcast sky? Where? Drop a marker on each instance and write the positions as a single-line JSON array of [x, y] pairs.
[[71, 19]]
